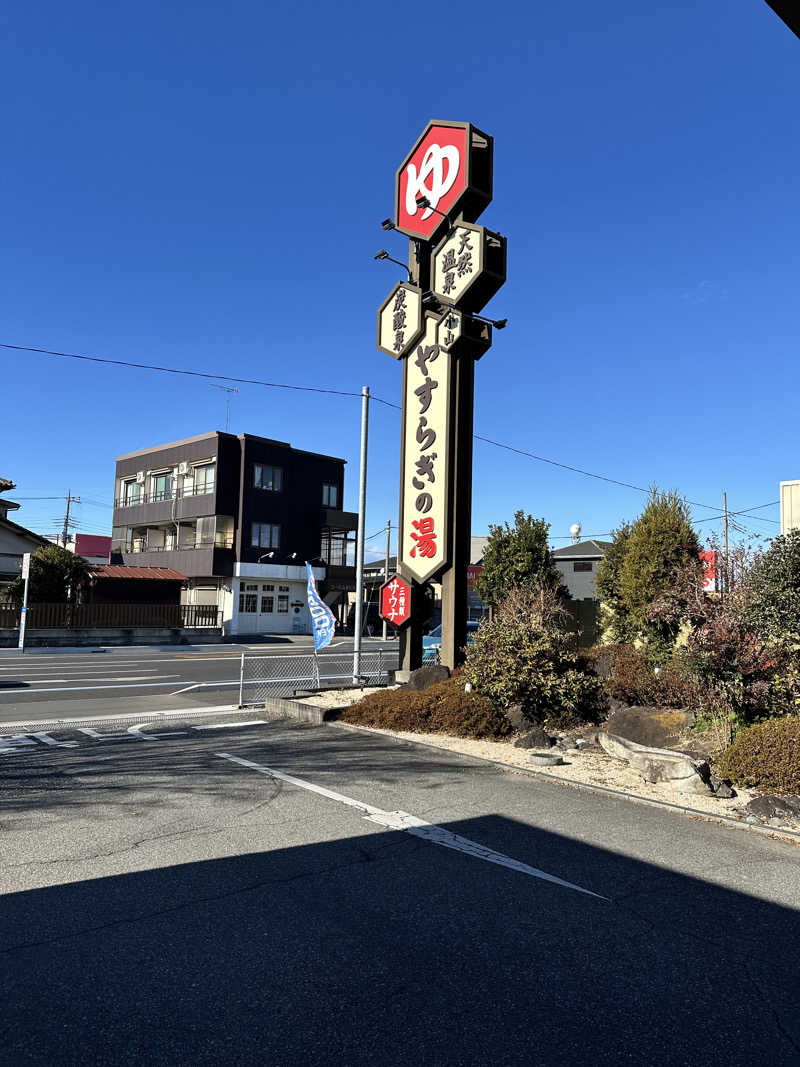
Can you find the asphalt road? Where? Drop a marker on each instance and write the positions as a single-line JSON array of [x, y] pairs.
[[135, 679], [278, 893]]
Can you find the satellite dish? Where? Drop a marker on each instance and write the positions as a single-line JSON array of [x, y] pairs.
[[575, 531]]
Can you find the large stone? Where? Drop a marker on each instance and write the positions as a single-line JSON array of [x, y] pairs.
[[658, 764], [535, 737], [423, 677], [652, 727], [516, 717], [775, 807]]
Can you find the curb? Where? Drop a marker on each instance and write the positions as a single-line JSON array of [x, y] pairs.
[[771, 832]]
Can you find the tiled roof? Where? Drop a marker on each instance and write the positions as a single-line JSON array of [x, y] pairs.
[[114, 570], [594, 549]]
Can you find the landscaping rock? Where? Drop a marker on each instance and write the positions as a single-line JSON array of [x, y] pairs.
[[423, 677], [517, 719], [658, 764], [722, 789], [535, 737], [774, 807], [652, 727]]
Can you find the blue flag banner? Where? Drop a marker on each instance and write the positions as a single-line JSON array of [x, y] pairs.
[[322, 617]]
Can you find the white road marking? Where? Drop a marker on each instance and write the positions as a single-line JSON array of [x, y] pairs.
[[109, 737], [137, 732], [152, 718], [14, 744], [401, 820], [46, 739], [229, 725], [85, 688]]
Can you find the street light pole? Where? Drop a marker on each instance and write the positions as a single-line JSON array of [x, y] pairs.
[[362, 507]]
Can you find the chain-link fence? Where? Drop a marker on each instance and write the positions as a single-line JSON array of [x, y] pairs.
[[285, 676]]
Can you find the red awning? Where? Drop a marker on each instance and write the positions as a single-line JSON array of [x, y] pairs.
[[161, 574]]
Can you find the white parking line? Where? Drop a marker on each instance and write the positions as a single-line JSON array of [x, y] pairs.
[[401, 820], [229, 725]]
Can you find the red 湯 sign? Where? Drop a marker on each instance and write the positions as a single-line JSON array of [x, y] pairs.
[[395, 601]]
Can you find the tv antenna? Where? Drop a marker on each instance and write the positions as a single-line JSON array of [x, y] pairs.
[[226, 389]]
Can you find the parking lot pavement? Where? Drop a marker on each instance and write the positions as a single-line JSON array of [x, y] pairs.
[[283, 893]]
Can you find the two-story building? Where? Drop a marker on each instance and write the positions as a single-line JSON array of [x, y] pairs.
[[239, 515]]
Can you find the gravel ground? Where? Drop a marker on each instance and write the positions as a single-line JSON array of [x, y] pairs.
[[592, 768]]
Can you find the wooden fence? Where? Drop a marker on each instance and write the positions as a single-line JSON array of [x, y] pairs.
[[112, 616]]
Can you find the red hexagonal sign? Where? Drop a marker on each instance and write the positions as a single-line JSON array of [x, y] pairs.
[[394, 604], [451, 166]]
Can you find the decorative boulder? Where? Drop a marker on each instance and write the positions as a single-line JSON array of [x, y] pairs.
[[535, 737], [659, 764], [423, 677], [652, 727]]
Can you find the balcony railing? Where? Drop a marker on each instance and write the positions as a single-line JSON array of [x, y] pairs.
[[175, 493], [141, 545]]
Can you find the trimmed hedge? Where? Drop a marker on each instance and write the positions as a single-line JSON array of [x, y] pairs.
[[443, 708], [765, 756]]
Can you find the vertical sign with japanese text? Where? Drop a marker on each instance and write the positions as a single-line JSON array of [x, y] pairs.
[[424, 523]]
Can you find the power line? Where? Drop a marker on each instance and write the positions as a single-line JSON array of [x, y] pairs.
[[341, 392], [189, 373]]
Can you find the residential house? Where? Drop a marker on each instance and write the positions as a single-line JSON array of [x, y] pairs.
[[15, 540], [239, 516], [578, 565]]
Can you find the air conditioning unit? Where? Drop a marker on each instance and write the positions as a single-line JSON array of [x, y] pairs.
[[140, 477], [183, 468]]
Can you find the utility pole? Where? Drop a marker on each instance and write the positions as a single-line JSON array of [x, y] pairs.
[[386, 566], [725, 528], [362, 507], [70, 500]]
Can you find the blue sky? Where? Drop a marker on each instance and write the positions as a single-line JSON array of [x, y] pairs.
[[202, 186]]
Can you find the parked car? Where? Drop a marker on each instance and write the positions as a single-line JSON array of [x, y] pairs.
[[432, 642]]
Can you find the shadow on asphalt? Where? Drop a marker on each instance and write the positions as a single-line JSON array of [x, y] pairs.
[[383, 949]]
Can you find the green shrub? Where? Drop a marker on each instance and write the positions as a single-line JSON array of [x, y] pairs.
[[765, 756], [443, 708], [525, 656], [627, 673]]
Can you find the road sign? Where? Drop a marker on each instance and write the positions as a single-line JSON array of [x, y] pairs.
[[395, 601], [469, 266], [451, 166], [400, 322]]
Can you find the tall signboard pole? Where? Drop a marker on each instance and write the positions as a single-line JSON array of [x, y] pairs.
[[431, 324]]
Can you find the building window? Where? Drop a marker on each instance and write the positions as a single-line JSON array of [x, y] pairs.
[[267, 477], [204, 479], [283, 604], [267, 605], [266, 535], [132, 493], [330, 496], [248, 599], [162, 487], [582, 565]]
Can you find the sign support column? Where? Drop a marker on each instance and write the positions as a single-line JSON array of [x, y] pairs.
[[454, 579]]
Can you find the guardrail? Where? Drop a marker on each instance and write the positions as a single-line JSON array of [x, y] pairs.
[[285, 676]]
